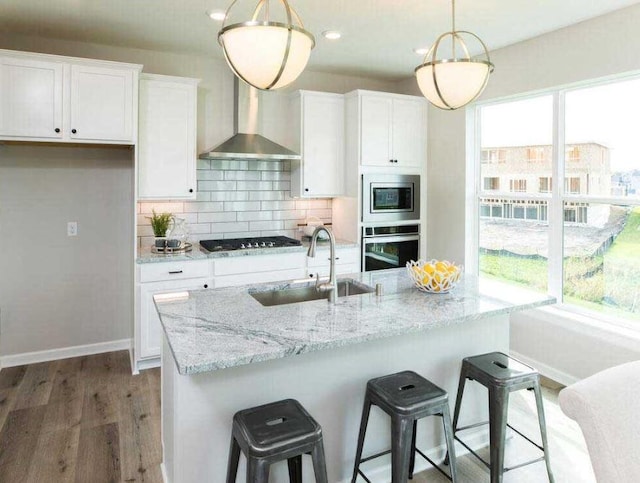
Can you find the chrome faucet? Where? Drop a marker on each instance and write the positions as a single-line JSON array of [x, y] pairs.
[[331, 286]]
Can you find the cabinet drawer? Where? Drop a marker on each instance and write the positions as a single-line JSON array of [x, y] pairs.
[[259, 263], [179, 270], [259, 277], [344, 256]]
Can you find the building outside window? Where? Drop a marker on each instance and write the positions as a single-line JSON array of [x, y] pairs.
[[492, 184], [579, 241], [494, 156]]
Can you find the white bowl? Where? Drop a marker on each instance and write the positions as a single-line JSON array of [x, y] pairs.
[[440, 276]]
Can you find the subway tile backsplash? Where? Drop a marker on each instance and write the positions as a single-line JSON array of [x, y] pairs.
[[238, 199]]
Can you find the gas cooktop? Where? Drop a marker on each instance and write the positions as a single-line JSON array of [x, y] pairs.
[[249, 243]]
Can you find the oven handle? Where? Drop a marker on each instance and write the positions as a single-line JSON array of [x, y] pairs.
[[389, 238]]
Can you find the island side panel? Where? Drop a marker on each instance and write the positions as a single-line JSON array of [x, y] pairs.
[[331, 385]]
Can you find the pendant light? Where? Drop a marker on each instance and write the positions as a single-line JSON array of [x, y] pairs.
[[265, 52], [451, 83]]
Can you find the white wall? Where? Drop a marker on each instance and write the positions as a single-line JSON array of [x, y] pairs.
[[58, 291], [596, 48]]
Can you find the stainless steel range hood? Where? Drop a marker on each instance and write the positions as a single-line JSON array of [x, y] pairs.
[[247, 144]]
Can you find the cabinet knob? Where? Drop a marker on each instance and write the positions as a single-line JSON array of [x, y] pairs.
[[73, 131], [191, 190], [306, 189], [57, 129], [391, 160], [206, 285]]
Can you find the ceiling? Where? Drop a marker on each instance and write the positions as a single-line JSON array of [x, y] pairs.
[[378, 35]]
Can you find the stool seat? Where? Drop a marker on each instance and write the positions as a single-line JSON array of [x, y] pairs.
[[406, 397], [277, 426], [498, 369], [272, 433], [405, 393]]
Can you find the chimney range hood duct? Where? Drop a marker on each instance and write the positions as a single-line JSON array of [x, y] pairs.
[[248, 145]]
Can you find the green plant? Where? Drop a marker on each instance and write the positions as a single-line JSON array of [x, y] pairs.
[[160, 223]]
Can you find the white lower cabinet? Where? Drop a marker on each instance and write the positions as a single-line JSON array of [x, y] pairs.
[[155, 279]]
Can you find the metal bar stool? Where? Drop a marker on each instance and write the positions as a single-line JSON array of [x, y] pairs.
[[501, 375], [275, 432], [405, 397]]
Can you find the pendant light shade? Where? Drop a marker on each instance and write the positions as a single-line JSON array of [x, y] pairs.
[[264, 52], [454, 82]]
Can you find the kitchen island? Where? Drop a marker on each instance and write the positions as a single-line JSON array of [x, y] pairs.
[[223, 351]]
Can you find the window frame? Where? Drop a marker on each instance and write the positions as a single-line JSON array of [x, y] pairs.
[[556, 198]]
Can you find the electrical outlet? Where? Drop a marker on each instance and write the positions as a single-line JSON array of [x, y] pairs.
[[72, 228]]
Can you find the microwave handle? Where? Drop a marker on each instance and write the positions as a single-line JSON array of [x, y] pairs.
[[389, 239]]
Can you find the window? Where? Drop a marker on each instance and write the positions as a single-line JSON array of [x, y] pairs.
[[582, 245], [518, 185], [536, 155], [572, 154], [544, 185], [572, 185], [492, 184], [494, 155]]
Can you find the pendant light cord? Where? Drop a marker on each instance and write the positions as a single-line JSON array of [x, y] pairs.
[[453, 28]]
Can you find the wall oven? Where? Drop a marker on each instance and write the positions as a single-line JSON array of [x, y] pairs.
[[390, 197], [389, 246]]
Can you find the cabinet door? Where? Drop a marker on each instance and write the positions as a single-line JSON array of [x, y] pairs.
[[167, 140], [101, 104], [409, 132], [375, 124], [150, 329], [323, 146], [30, 98]]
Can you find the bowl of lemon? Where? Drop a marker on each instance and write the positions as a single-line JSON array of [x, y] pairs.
[[434, 276]]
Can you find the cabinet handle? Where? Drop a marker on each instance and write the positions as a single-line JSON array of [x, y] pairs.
[[73, 131], [175, 272], [57, 129]]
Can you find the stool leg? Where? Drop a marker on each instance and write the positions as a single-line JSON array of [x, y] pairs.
[[401, 436], [257, 471], [295, 469], [412, 459], [456, 411], [498, 410], [543, 429], [319, 463], [448, 435], [366, 409], [234, 459]]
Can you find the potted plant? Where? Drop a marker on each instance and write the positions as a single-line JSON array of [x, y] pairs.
[[160, 225]]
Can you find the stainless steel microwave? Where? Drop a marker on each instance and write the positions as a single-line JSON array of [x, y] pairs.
[[390, 197]]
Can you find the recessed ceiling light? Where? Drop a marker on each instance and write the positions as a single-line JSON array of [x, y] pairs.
[[218, 15], [331, 34], [421, 50]]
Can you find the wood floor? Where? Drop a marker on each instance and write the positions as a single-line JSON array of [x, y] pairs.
[[85, 420], [88, 420]]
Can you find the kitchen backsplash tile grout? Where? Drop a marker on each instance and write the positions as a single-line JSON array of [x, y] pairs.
[[238, 198]]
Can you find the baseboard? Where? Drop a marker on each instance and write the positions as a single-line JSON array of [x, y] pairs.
[[476, 439], [546, 370], [147, 364], [163, 470], [64, 353]]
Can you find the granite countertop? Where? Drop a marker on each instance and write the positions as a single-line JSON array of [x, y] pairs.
[[209, 330], [198, 253]]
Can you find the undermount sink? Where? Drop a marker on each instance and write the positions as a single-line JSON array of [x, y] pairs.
[[308, 292]]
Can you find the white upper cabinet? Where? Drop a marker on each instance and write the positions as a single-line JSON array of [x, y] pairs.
[[102, 104], [392, 129], [62, 99], [30, 98], [167, 137], [318, 126]]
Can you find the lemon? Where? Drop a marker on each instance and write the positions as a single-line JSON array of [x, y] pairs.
[[428, 268]]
